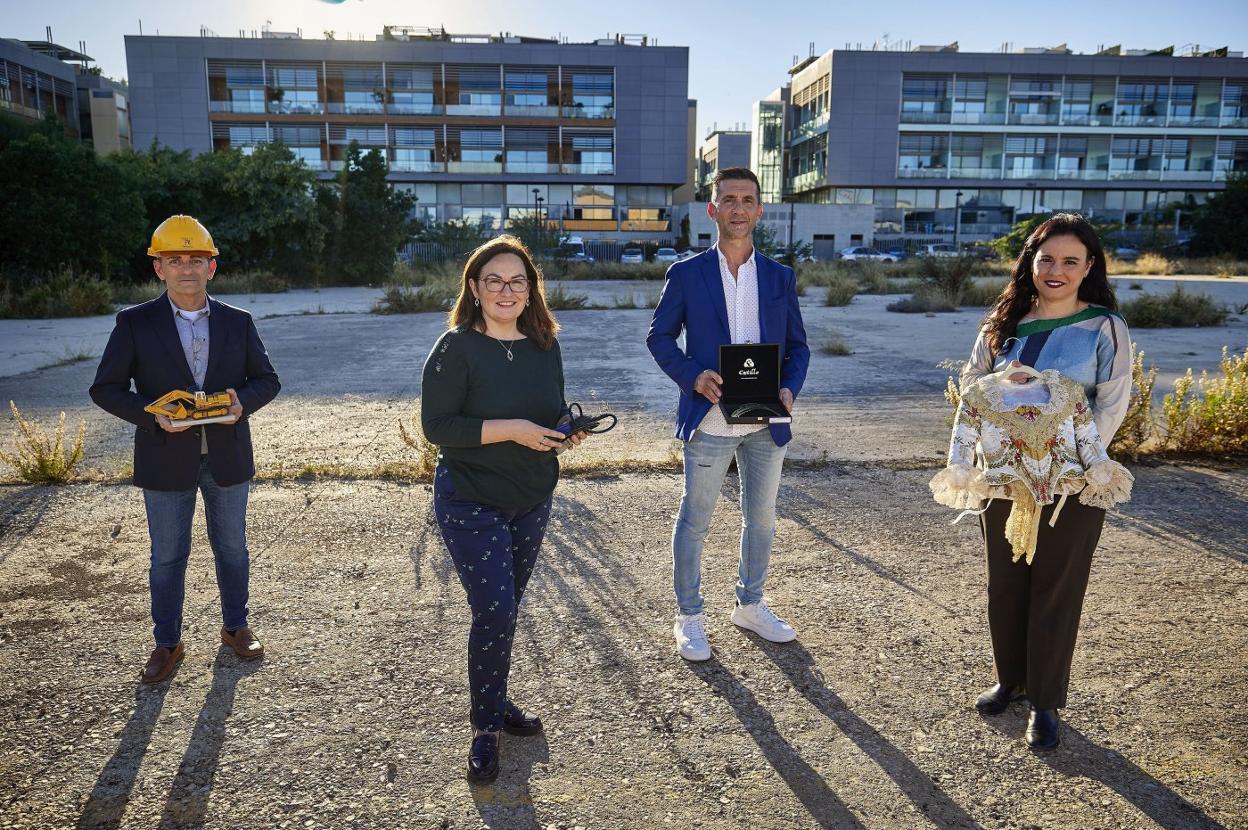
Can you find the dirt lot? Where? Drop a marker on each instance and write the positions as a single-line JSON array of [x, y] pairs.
[[357, 716]]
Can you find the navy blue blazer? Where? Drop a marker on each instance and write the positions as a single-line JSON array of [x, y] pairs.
[[145, 348], [693, 301]]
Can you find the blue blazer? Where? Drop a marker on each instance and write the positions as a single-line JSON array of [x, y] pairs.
[[693, 301], [144, 348]]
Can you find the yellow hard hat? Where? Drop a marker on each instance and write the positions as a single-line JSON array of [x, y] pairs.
[[181, 234]]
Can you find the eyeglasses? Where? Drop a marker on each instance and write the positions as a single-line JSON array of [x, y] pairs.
[[495, 285]]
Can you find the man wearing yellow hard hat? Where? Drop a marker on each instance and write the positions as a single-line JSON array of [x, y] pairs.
[[185, 340]]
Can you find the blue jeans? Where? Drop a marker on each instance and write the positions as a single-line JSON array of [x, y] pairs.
[[759, 461], [169, 515], [494, 552]]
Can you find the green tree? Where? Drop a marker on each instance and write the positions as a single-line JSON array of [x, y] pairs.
[[1218, 224], [537, 235], [374, 220], [455, 236]]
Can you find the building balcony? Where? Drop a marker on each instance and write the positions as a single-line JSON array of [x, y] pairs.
[[1134, 175], [474, 167], [355, 108], [1234, 121], [1139, 120], [1193, 121], [912, 117], [475, 110], [418, 166], [1083, 119], [589, 112], [645, 225], [297, 107], [531, 111], [538, 167], [806, 181], [594, 168], [1034, 173], [920, 173], [256, 107], [1082, 175], [590, 225], [394, 108], [974, 172], [986, 118], [815, 126]]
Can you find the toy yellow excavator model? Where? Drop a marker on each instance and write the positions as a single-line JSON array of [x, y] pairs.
[[200, 407]]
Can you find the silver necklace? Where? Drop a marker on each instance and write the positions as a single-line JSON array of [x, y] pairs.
[[507, 346]]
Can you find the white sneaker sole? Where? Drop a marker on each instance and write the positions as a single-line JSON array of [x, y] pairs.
[[694, 656], [765, 633]]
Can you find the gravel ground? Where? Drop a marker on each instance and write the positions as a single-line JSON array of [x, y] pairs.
[[356, 718]]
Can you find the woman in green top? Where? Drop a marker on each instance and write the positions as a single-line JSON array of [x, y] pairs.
[[492, 394]]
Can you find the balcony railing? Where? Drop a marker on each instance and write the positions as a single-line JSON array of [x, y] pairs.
[[1034, 119], [484, 110], [977, 118], [1234, 121], [922, 173], [1193, 121], [1083, 175], [807, 181], [403, 108], [355, 108], [1122, 120], [974, 172], [236, 106], [297, 107], [418, 166], [915, 117], [595, 168], [474, 167], [1135, 175], [589, 112], [539, 167], [528, 111], [1084, 119]]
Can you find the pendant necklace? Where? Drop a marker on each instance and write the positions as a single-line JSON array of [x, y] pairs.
[[506, 347]]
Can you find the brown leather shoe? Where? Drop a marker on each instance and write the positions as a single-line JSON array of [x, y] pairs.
[[244, 643], [163, 662]]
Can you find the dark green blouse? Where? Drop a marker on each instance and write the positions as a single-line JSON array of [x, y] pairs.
[[467, 380]]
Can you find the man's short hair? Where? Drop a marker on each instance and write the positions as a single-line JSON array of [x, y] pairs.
[[744, 174]]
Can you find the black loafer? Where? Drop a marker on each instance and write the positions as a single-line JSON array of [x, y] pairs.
[[483, 758], [520, 723], [1042, 729], [997, 699]]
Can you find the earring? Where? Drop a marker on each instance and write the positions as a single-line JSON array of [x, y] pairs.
[[526, 303], [476, 301]]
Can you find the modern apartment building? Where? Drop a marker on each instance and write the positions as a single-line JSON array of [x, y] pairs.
[[721, 148], [592, 136], [33, 84], [767, 144], [942, 142]]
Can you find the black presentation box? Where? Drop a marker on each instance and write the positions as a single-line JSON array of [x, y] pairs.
[[751, 388]]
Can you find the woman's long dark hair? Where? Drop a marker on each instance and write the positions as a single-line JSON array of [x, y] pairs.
[[536, 322], [1020, 293]]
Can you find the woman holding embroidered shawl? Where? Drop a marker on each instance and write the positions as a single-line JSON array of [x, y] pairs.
[[1044, 391]]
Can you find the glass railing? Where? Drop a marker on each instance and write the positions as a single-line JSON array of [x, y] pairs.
[[915, 117], [1083, 175], [639, 225], [589, 112], [531, 167], [418, 166], [474, 167], [1134, 175], [474, 109], [397, 108], [1033, 118], [1123, 120], [531, 111], [813, 127], [974, 172], [297, 107], [236, 106], [923, 173], [355, 108], [807, 181], [1193, 121], [1234, 121], [977, 118], [1034, 173], [595, 168], [1084, 119]]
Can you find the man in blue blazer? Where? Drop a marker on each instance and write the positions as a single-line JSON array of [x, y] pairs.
[[728, 294], [185, 340]]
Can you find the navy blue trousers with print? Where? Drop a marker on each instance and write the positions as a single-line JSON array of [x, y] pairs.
[[494, 552]]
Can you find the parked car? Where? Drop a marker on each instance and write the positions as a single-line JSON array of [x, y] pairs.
[[632, 256], [980, 252], [668, 255], [859, 252], [939, 249], [897, 253], [1126, 253]]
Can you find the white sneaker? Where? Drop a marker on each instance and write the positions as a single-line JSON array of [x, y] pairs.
[[690, 631], [760, 619]]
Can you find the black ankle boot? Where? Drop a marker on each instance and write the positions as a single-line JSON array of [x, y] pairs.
[[997, 699], [1042, 729], [519, 722], [483, 757]]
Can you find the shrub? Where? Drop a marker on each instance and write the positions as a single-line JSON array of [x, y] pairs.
[[559, 299], [1210, 415], [1177, 309], [248, 282], [615, 271], [426, 453], [840, 291], [402, 299], [981, 293], [1135, 286], [834, 345], [1137, 427], [1156, 264], [924, 300], [135, 293], [39, 460], [66, 294]]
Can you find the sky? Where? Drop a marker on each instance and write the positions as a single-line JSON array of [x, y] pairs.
[[738, 51]]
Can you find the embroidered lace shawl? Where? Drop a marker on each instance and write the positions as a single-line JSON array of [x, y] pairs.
[[1033, 444]]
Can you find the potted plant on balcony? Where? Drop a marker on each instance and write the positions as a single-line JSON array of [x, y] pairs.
[[275, 95]]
